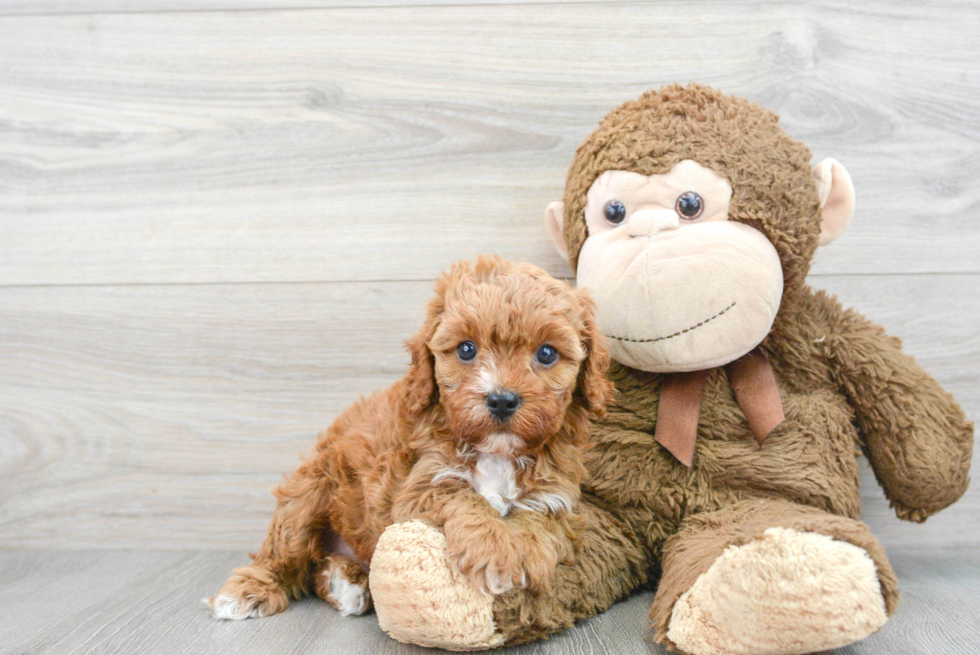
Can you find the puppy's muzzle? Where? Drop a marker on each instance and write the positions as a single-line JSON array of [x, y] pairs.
[[502, 403]]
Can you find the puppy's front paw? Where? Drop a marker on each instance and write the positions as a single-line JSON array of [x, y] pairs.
[[249, 592], [540, 561], [487, 557]]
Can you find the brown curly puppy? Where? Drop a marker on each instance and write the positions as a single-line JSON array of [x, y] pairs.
[[484, 437]]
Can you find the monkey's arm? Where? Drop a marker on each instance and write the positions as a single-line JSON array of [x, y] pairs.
[[915, 435]]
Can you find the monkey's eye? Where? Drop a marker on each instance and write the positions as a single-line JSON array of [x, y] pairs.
[[615, 212], [466, 351], [547, 355], [689, 205]]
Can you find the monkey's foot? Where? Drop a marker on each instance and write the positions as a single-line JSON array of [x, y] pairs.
[[786, 592], [420, 600]]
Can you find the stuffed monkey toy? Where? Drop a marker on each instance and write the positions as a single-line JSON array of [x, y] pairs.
[[725, 472]]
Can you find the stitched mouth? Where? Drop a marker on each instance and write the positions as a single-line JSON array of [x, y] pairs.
[[675, 334]]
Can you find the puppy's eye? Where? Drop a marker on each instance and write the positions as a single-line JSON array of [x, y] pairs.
[[615, 212], [547, 355], [466, 351], [689, 205]]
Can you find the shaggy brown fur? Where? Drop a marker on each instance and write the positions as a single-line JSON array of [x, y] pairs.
[[412, 450], [845, 387]]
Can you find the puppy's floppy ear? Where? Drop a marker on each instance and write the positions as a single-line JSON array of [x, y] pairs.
[[594, 387], [420, 380]]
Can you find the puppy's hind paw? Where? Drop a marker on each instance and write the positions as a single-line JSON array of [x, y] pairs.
[[250, 592], [229, 607], [343, 583]]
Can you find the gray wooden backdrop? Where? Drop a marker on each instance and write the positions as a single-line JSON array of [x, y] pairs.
[[220, 218]]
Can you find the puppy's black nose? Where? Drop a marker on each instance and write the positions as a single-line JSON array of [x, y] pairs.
[[503, 403]]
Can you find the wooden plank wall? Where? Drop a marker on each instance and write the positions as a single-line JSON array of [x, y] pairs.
[[219, 219]]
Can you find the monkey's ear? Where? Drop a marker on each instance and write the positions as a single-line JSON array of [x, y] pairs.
[[594, 387], [554, 219], [836, 194]]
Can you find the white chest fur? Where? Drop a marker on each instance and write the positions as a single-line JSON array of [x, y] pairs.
[[493, 478]]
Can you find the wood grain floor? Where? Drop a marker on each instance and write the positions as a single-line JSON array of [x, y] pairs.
[[148, 602], [219, 219]]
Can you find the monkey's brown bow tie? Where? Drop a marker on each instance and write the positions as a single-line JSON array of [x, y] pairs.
[[755, 389]]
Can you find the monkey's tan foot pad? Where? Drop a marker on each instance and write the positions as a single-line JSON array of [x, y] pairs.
[[786, 592], [420, 600]]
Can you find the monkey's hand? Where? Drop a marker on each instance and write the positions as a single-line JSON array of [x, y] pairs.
[[916, 436]]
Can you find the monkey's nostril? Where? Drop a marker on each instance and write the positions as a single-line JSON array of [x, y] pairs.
[[503, 403]]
